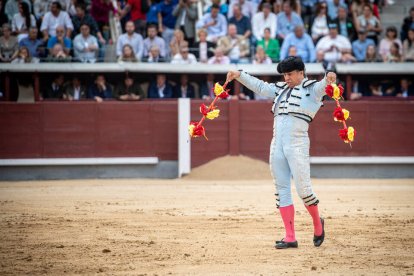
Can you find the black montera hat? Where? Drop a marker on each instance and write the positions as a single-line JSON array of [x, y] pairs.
[[290, 64]]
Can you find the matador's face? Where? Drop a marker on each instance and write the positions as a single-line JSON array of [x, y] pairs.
[[293, 78]]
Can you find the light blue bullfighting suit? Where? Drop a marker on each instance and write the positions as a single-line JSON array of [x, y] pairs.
[[293, 109]]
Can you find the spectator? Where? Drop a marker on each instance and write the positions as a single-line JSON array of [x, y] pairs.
[[61, 39], [152, 14], [242, 22], [186, 14], [82, 17], [154, 55], [55, 89], [128, 54], [54, 18], [333, 8], [345, 24], [166, 20], [57, 54], [394, 54], [262, 20], [32, 43], [319, 27], [184, 89], [133, 39], [22, 21], [152, 40], [370, 23], [387, 41], [184, 57], [235, 46], [100, 10], [292, 51], [40, 8], [214, 23], [375, 89], [261, 56], [207, 88], [12, 7], [160, 88], [85, 45], [128, 90], [203, 49], [75, 91], [357, 8], [287, 21], [100, 89], [359, 46], [219, 57], [224, 8], [408, 24], [303, 43], [177, 42], [270, 45], [371, 54], [23, 56], [409, 46], [405, 89], [247, 8], [307, 10], [137, 10], [8, 45], [336, 48]]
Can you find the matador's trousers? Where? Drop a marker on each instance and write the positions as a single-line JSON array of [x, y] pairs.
[[289, 155]]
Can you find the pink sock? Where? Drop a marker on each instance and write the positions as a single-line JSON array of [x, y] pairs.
[[288, 217], [317, 225]]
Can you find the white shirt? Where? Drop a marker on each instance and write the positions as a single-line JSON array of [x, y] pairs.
[[203, 51], [19, 22], [161, 91], [80, 43], [50, 22], [76, 93], [235, 50], [341, 42], [178, 59], [135, 41], [319, 27], [259, 24]]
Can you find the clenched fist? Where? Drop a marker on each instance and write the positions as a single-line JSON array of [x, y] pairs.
[[231, 75], [331, 77]]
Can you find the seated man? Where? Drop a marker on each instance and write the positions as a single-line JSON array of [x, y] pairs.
[[128, 90], [336, 48], [55, 89], [184, 57], [154, 55], [160, 88], [359, 46], [54, 18], [100, 89], [75, 91], [32, 43], [215, 23], [235, 46], [86, 45], [303, 44], [152, 40], [133, 39], [57, 54], [61, 39], [219, 57], [184, 89]]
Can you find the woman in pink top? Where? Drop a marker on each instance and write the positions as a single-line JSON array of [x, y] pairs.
[[387, 41]]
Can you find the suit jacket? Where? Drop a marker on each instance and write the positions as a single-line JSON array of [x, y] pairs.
[[189, 21], [121, 89], [204, 89], [95, 91], [50, 93], [70, 91], [243, 43], [190, 91], [210, 49], [153, 91]]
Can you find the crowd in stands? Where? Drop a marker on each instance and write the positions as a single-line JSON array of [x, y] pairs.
[[232, 31]]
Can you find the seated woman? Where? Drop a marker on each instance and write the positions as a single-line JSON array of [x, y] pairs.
[[128, 54], [23, 56], [261, 57]]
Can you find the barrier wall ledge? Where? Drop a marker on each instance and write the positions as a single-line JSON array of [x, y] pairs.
[[311, 68]]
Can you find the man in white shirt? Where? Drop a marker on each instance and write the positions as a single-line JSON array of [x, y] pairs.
[[56, 17], [85, 45], [263, 20], [335, 47], [247, 8], [184, 57], [133, 39], [152, 40]]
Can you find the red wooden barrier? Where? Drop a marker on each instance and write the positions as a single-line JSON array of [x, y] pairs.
[[149, 128]]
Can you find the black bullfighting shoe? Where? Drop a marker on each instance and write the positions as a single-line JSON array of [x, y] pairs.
[[318, 240], [284, 245]]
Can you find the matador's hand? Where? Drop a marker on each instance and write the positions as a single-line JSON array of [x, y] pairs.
[[331, 77], [231, 75]]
